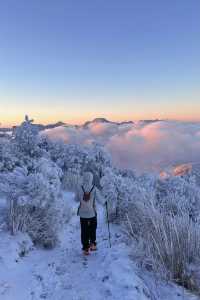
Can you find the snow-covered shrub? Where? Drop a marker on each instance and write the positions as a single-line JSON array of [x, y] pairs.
[[56, 150], [98, 160], [178, 194], [162, 217], [11, 186], [33, 200], [3, 214], [109, 191], [31, 182], [72, 181], [70, 158], [119, 190], [168, 244], [168, 237], [75, 158], [44, 223], [25, 138], [8, 159], [46, 211]]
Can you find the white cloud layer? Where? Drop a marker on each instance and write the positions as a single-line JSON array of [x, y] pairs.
[[141, 146]]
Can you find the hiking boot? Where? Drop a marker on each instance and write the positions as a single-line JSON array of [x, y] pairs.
[[93, 247], [86, 252]]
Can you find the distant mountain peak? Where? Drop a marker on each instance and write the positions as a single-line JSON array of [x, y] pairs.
[[101, 120], [104, 120], [96, 120]]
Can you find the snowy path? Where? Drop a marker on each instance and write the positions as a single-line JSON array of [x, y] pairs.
[[105, 274], [64, 274]]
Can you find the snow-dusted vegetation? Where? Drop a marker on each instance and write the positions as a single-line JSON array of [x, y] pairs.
[[161, 216]]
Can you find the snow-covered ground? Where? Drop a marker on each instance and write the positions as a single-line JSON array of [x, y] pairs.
[[65, 274]]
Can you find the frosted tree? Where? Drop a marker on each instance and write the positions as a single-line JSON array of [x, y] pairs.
[[178, 195], [119, 189], [75, 158], [8, 158], [31, 182], [98, 160], [35, 202], [110, 183], [12, 185], [25, 138]]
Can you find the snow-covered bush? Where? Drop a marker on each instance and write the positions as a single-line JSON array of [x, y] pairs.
[[31, 182], [26, 139], [119, 189], [72, 180], [178, 194], [8, 159], [168, 238], [34, 201], [11, 186], [98, 160], [162, 216], [75, 159], [109, 191]]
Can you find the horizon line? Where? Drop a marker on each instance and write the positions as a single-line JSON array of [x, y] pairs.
[[13, 124]]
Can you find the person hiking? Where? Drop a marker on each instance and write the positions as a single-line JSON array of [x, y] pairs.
[[88, 213]]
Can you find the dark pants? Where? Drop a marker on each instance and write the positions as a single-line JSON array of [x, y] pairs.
[[88, 231]]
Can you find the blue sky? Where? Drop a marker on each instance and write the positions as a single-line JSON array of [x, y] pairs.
[[75, 60]]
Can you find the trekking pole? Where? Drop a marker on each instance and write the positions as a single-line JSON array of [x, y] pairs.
[[108, 223]]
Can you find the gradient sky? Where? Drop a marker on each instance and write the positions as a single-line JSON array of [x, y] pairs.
[[79, 59]]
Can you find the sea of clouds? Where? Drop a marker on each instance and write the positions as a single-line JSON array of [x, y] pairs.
[[141, 146]]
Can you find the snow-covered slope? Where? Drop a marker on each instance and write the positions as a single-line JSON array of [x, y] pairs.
[[64, 274]]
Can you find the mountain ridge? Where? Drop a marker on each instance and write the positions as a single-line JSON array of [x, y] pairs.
[[85, 125]]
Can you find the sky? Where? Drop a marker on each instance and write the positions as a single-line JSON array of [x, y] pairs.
[[120, 59]]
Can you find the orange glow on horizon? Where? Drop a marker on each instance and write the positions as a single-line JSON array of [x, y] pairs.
[[82, 119]]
